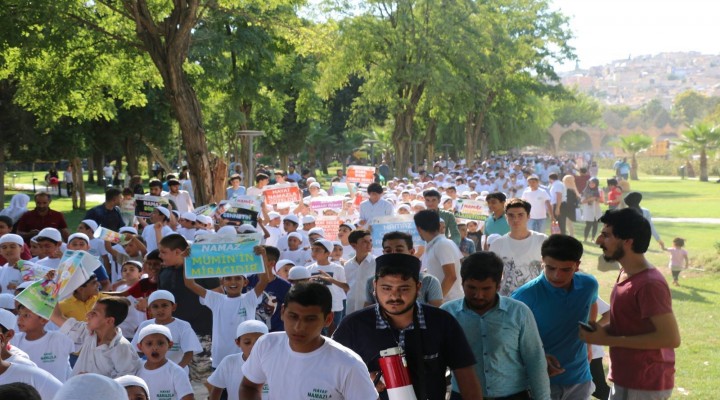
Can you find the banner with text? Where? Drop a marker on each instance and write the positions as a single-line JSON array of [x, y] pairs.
[[475, 210], [207, 210], [403, 223], [323, 202], [330, 225], [223, 255], [241, 210], [360, 174], [282, 193], [144, 205]]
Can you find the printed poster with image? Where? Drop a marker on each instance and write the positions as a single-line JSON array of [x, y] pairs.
[[240, 210], [207, 210], [144, 205], [213, 256], [330, 224], [282, 193], [38, 298], [31, 272], [404, 223], [361, 174], [475, 210], [323, 202]]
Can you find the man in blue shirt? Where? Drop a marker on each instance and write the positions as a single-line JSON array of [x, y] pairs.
[[506, 345], [560, 298]]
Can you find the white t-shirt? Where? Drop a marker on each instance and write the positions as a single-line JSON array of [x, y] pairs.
[[134, 318], [338, 273], [357, 276], [331, 372], [442, 251], [275, 234], [46, 384], [182, 201], [51, 352], [9, 274], [603, 307], [521, 258], [555, 188], [536, 198], [169, 382], [299, 257], [151, 241], [19, 359], [226, 376], [184, 339], [228, 313]]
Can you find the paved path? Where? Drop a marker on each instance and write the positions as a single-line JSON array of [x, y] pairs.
[[91, 197], [714, 221]]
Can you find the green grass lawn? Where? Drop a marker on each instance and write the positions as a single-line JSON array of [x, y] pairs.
[[64, 205]]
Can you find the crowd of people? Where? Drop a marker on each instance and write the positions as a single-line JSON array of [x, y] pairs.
[[496, 301]]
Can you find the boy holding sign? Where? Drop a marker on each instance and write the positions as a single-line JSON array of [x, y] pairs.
[[231, 308]]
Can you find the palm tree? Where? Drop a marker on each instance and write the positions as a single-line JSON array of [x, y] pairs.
[[701, 138], [633, 144]]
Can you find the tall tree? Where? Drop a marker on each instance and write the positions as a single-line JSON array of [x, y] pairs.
[[702, 139], [633, 144]]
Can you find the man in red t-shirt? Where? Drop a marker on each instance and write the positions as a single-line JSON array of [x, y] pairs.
[[41, 217], [642, 332]]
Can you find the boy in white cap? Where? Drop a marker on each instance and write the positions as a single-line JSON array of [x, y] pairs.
[[49, 350], [104, 350], [282, 268], [50, 241], [273, 227], [157, 228], [46, 384], [230, 308], [294, 251], [136, 387], [11, 247], [330, 274], [81, 242], [226, 376], [165, 379], [290, 224], [187, 225], [90, 386], [132, 249], [161, 304]]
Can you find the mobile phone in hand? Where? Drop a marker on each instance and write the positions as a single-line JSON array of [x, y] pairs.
[[586, 326]]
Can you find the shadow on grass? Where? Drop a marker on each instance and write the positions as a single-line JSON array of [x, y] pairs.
[[667, 194], [689, 293]]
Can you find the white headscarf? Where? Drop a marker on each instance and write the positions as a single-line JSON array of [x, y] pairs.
[[17, 207]]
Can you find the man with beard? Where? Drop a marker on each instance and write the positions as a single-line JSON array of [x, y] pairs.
[[32, 222], [642, 331], [508, 348], [431, 339]]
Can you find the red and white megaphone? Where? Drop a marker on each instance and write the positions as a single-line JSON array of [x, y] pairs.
[[397, 377]]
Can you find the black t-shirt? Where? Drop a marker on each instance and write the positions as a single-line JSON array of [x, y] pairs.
[[110, 219], [443, 344], [188, 303]]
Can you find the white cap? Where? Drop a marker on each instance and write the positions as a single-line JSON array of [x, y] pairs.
[[308, 219], [273, 214], [282, 263], [164, 211], [314, 184], [246, 228], [152, 329], [128, 229], [227, 230], [296, 273], [79, 235], [91, 224], [292, 218], [12, 238], [132, 380], [349, 225], [251, 326], [161, 295], [405, 207], [189, 216], [7, 301], [490, 239], [316, 231], [295, 235], [325, 243], [337, 243], [91, 386], [8, 320], [49, 233], [205, 219], [135, 263]]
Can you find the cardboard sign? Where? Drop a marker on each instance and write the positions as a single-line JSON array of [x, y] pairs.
[[403, 223], [322, 202], [214, 256], [144, 205], [330, 225], [341, 188], [472, 209], [360, 174], [282, 193], [241, 210]]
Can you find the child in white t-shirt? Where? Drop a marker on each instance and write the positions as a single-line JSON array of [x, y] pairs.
[[231, 308], [11, 247], [165, 379], [226, 376], [162, 304], [131, 273], [48, 350], [295, 253], [330, 274]]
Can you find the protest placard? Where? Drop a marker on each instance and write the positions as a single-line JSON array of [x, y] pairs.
[[38, 298], [341, 188], [223, 255], [282, 193], [207, 209], [475, 210], [360, 174], [330, 226], [144, 205], [404, 223], [75, 268], [322, 202], [241, 210]]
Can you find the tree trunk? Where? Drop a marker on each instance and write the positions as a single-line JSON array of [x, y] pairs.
[[402, 136], [475, 135], [79, 183], [131, 155], [2, 175], [634, 168], [98, 164], [430, 139], [91, 169], [703, 165]]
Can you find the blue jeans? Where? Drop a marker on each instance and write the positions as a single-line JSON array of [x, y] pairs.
[[537, 225]]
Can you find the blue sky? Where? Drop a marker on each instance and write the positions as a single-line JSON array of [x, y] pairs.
[[607, 30]]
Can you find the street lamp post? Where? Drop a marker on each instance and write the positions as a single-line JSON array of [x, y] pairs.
[[371, 142], [251, 167]]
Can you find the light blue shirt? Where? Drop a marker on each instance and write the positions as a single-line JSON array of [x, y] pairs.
[[507, 347]]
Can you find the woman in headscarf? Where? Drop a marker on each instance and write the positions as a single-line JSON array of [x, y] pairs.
[[591, 199], [17, 207]]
